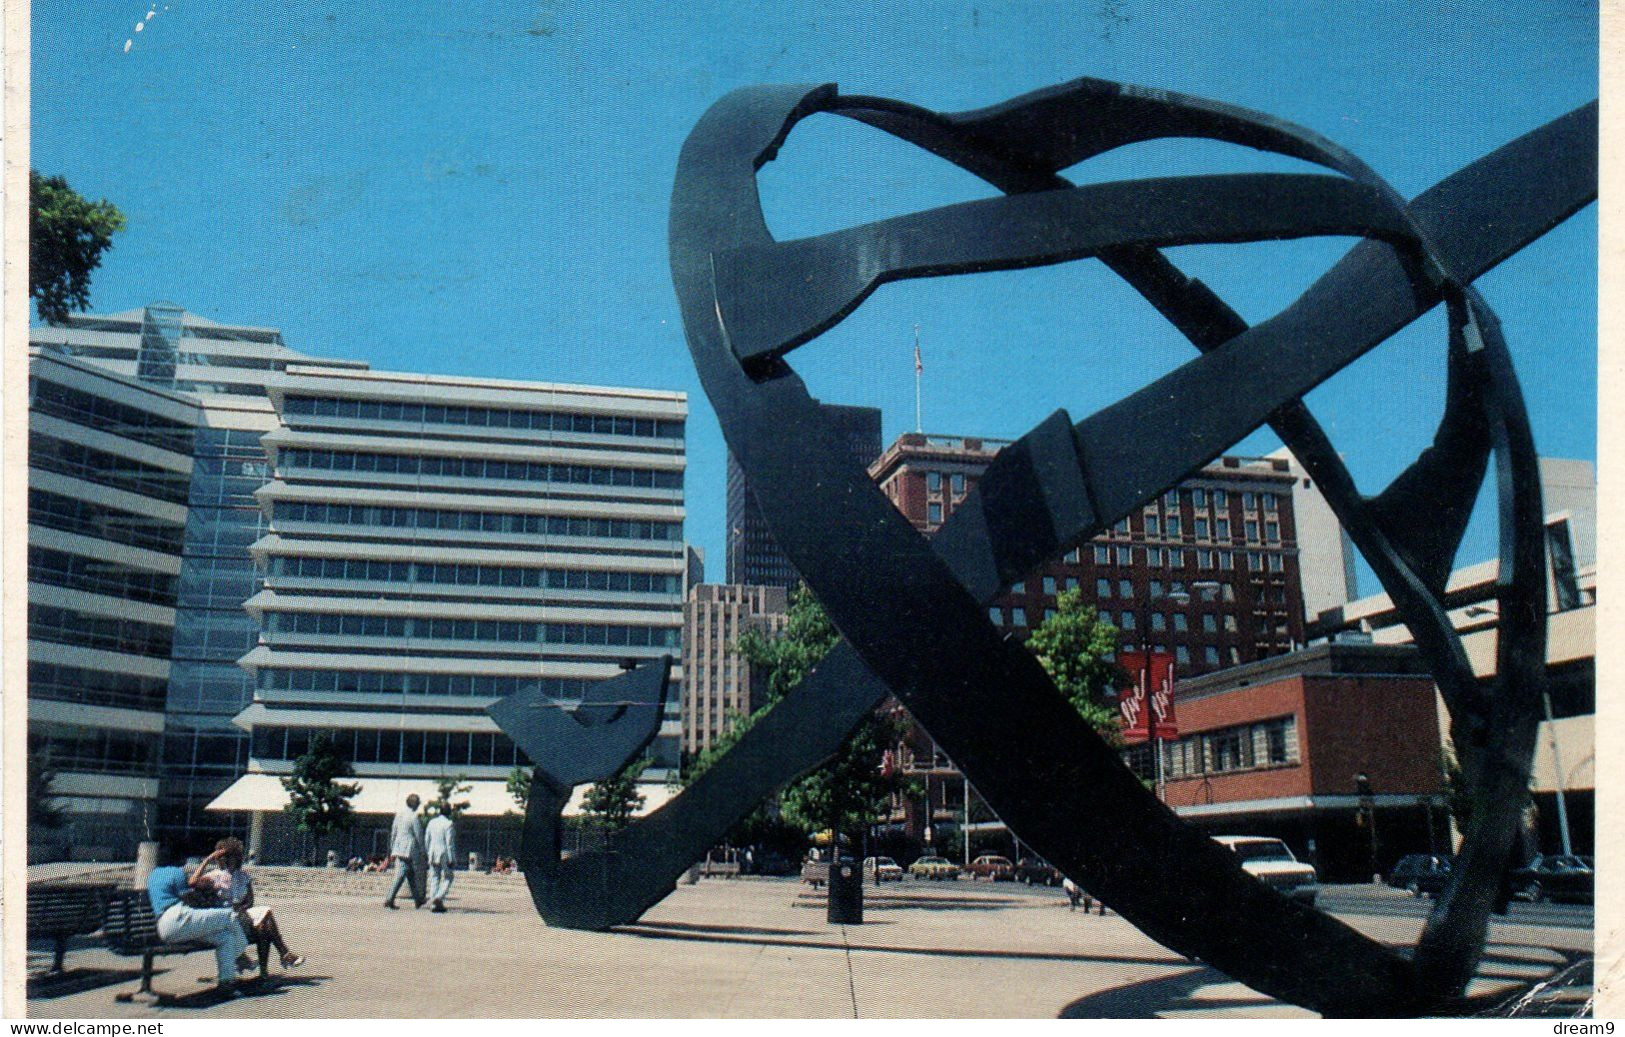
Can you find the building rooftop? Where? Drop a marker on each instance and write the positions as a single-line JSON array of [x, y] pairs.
[[1338, 659]]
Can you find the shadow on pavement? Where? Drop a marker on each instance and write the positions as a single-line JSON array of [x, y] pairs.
[[247, 991], [76, 981], [1150, 998], [725, 934]]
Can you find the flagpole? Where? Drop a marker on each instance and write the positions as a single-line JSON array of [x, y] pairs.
[[918, 370]]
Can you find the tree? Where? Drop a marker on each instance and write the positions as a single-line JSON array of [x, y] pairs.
[[519, 786], [786, 658], [42, 808], [317, 800], [610, 803], [444, 803], [66, 238], [1075, 646], [850, 791]]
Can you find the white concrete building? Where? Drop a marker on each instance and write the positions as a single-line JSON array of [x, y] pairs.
[[434, 543]]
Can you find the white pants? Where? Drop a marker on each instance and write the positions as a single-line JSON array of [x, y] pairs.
[[440, 875], [216, 925]]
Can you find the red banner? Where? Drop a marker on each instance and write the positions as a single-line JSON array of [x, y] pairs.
[[1131, 701]]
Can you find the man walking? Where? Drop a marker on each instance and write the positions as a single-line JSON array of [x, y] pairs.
[[406, 847], [442, 838]]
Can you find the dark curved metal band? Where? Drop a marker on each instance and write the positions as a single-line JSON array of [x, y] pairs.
[[690, 269], [1409, 533], [775, 297]]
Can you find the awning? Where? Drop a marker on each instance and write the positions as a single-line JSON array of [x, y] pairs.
[[264, 792]]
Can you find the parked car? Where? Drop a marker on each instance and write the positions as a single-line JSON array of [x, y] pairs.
[[1421, 874], [882, 869], [1271, 862], [934, 868], [1557, 877], [1035, 871], [993, 867]]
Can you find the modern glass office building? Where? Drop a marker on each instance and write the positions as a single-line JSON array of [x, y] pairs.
[[434, 543], [143, 457]]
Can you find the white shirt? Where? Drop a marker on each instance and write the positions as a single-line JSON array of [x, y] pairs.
[[442, 838]]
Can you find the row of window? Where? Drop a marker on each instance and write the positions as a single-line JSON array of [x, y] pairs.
[[484, 417], [432, 748], [1172, 528], [51, 454], [71, 627], [94, 687], [1269, 743], [96, 750], [355, 625], [98, 412], [76, 572], [474, 575], [391, 682], [479, 468], [476, 521], [1177, 558], [1182, 653], [72, 515]]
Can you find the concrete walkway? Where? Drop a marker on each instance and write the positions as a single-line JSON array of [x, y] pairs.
[[739, 948]]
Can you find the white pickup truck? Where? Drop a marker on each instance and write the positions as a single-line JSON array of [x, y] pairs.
[[1271, 862]]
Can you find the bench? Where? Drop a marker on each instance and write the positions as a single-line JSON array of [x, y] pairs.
[[63, 912], [131, 931]]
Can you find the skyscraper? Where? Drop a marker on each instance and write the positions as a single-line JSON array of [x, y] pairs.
[[433, 543], [143, 455], [754, 557]]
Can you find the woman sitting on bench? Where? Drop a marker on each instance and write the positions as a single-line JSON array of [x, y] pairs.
[[168, 889], [235, 889]]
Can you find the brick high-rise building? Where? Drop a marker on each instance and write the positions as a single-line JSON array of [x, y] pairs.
[[754, 557], [1207, 572]]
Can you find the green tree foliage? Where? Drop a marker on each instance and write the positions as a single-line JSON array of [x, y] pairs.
[[787, 657], [317, 800], [610, 803], [42, 808], [1075, 646], [446, 801], [519, 786], [848, 793], [67, 235]]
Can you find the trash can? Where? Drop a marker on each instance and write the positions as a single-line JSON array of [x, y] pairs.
[[845, 893]]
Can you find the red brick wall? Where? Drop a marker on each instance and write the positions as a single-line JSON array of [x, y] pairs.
[[1387, 727], [1243, 706]]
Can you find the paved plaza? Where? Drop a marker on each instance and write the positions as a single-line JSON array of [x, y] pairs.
[[737, 948]]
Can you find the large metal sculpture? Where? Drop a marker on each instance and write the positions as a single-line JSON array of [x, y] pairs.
[[912, 611]]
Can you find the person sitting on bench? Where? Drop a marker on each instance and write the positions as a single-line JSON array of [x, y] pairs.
[[169, 888], [233, 888]]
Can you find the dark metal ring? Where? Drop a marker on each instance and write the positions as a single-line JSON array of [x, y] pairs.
[[911, 608]]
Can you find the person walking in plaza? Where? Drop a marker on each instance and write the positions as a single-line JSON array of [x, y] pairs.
[[406, 848], [441, 835], [168, 890]]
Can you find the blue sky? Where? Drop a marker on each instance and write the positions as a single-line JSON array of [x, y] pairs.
[[481, 188]]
